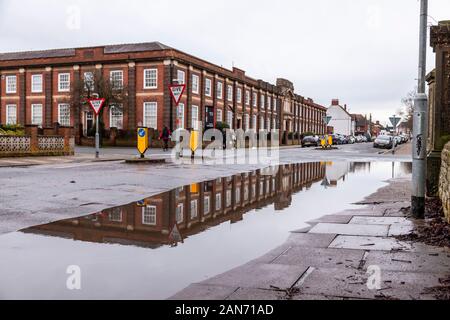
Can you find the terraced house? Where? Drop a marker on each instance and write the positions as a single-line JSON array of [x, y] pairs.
[[39, 88]]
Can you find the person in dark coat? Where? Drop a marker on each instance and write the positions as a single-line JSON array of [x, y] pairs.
[[165, 136]]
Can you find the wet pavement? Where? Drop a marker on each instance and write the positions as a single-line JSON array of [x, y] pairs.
[[155, 246], [336, 260]]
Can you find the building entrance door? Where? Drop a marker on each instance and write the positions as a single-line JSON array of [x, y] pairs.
[[88, 124]]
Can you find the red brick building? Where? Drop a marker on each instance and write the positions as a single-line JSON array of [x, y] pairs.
[[37, 87]]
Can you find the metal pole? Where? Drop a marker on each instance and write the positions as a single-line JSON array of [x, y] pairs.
[[420, 123], [97, 139]]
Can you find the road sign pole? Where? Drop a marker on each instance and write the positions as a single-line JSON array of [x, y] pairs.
[[97, 139]]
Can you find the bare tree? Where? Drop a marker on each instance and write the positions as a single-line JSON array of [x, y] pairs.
[[97, 85], [407, 110]]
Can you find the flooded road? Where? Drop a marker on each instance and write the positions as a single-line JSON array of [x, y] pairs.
[[155, 247]]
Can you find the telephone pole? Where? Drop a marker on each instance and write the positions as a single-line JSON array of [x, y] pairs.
[[420, 123]]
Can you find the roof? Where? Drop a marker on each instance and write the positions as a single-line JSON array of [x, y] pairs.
[[343, 109], [359, 119], [70, 52]]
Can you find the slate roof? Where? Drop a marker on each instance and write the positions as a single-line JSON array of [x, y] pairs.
[[60, 53]]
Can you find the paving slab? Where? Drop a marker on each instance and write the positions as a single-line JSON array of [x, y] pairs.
[[204, 292], [310, 240], [260, 276], [333, 218], [351, 229], [369, 243], [362, 212], [352, 284], [400, 230], [409, 261], [380, 220], [337, 282], [320, 257]]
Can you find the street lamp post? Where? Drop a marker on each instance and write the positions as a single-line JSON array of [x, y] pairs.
[[420, 123]]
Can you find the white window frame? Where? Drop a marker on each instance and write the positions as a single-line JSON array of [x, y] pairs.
[[194, 117], [180, 116], [262, 101], [36, 86], [230, 119], [116, 84], [219, 90], [247, 97], [219, 115], [151, 120], [181, 77], [11, 85], [117, 120], [89, 83], [149, 212], [230, 92], [194, 209], [64, 84], [255, 99], [218, 201], [254, 121], [206, 205], [60, 119], [179, 213], [239, 95], [228, 198], [246, 121], [195, 84], [261, 123], [237, 195], [9, 117], [208, 85], [116, 215], [33, 114], [150, 78]]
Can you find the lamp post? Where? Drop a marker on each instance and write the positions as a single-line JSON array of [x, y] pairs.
[[420, 124]]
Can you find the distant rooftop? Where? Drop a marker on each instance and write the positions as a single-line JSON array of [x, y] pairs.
[[60, 53]]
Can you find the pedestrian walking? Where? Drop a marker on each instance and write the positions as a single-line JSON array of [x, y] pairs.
[[165, 136]]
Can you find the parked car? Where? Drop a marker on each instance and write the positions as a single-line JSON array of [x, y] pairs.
[[383, 142], [311, 141], [397, 140]]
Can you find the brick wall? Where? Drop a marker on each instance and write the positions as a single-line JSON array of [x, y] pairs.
[[444, 184]]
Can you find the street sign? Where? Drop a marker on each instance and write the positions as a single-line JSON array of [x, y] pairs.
[[175, 235], [177, 90], [142, 140], [327, 119], [96, 105], [395, 121]]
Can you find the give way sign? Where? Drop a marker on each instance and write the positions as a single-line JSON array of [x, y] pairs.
[[96, 105], [177, 90]]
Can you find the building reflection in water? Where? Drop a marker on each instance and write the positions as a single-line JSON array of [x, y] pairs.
[[171, 217]]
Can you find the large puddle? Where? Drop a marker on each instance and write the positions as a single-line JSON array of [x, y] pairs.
[[153, 248]]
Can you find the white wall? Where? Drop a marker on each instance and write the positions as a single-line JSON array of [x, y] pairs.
[[340, 120]]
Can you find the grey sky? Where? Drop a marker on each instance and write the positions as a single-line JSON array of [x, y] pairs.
[[363, 52]]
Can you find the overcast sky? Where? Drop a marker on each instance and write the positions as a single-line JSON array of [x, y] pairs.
[[364, 52]]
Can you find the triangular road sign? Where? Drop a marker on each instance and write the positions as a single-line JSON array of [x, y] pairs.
[[394, 121], [177, 90], [175, 235], [96, 105], [327, 120]]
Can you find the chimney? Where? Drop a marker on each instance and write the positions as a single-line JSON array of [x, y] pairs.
[[335, 102], [345, 107]]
